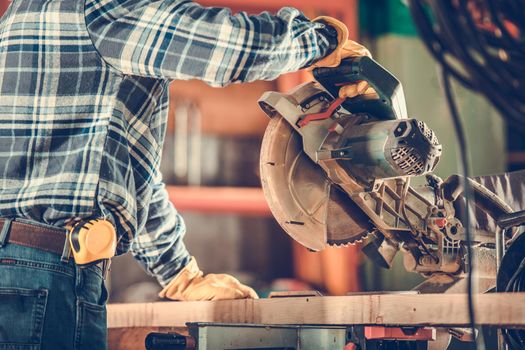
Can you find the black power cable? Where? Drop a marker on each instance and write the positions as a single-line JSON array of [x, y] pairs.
[[480, 43], [511, 276], [516, 337], [438, 48], [465, 170]]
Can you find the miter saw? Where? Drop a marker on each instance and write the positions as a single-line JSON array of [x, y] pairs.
[[337, 171]]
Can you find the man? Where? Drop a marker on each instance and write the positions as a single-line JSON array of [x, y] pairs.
[[83, 107]]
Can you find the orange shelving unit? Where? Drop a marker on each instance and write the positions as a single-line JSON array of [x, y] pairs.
[[220, 200]]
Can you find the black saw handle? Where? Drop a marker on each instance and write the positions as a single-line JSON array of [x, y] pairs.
[[391, 103]]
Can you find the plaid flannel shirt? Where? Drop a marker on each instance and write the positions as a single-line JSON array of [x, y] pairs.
[[84, 98]]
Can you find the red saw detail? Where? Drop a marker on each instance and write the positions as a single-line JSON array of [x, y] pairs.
[[440, 222], [323, 115], [396, 333]]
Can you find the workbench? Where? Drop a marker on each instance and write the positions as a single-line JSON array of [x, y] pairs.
[[130, 323]]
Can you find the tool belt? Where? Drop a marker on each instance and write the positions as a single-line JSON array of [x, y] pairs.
[[47, 238]]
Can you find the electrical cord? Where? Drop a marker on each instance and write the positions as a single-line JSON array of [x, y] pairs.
[[511, 279], [465, 170], [481, 43], [516, 337]]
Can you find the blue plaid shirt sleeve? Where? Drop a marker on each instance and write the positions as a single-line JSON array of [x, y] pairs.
[[179, 39], [159, 247], [182, 40]]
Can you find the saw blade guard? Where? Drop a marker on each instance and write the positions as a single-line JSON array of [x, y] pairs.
[[316, 153], [300, 195]]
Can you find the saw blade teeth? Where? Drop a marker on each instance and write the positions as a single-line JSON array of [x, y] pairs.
[[343, 244], [340, 244]]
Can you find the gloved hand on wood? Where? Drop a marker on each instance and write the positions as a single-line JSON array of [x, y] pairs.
[[191, 284]]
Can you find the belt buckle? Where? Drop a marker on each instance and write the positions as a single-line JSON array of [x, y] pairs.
[[5, 231], [66, 251]]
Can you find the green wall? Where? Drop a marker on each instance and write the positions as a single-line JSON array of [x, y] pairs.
[[407, 58]]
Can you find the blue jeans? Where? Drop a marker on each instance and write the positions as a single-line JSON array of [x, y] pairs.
[[47, 304]]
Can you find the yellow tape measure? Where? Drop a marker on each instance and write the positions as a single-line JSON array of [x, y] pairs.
[[93, 241]]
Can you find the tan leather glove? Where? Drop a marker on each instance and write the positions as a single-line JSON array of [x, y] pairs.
[[353, 90], [190, 285], [346, 48]]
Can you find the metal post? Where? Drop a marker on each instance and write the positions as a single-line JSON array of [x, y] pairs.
[[500, 246]]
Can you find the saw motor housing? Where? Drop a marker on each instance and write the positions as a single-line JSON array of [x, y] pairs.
[[336, 172], [381, 150]]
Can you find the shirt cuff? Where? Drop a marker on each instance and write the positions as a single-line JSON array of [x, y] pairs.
[[171, 270], [327, 41]]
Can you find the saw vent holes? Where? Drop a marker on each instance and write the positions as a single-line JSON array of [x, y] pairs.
[[429, 134], [408, 160]]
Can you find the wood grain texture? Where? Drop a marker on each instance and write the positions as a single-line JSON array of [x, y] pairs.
[[425, 309]]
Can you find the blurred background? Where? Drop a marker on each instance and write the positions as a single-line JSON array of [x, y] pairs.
[[211, 156]]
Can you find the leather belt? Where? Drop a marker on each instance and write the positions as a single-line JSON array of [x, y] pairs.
[[32, 235], [49, 239]]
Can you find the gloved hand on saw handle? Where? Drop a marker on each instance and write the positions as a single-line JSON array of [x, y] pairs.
[[191, 285], [345, 48]]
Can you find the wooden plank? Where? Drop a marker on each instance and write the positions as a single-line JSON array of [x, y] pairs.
[[388, 309], [232, 200]]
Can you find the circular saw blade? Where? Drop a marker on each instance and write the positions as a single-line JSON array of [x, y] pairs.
[[301, 197]]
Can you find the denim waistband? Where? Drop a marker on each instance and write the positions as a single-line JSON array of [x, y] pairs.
[[16, 255]]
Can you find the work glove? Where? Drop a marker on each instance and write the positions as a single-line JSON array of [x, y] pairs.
[[345, 48], [191, 285]]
